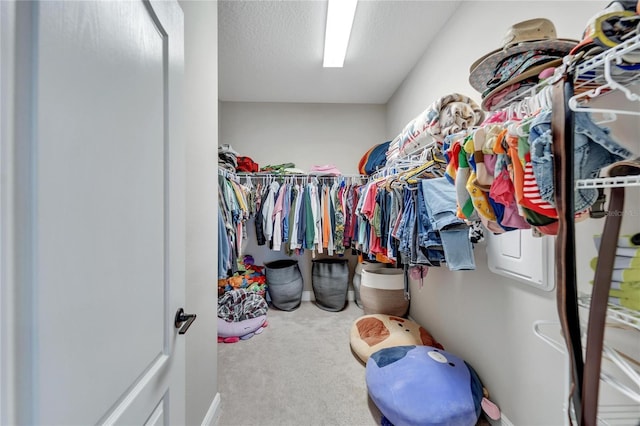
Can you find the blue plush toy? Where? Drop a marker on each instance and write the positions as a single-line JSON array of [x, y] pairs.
[[424, 385]]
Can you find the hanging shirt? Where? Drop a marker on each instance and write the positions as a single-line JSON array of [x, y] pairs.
[[327, 239], [310, 223], [224, 248], [348, 215], [277, 219], [267, 211], [369, 201], [317, 219], [339, 221], [295, 209], [286, 209], [524, 183], [259, 219]]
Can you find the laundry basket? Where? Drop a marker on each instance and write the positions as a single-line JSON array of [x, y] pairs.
[[382, 292], [357, 277], [284, 283], [330, 281]]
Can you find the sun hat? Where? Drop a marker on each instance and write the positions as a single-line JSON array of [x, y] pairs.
[[533, 34], [519, 67], [532, 72]]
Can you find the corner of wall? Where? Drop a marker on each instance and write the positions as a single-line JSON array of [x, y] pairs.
[[202, 398]]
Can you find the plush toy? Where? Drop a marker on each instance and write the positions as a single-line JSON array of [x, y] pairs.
[[371, 333], [234, 331], [425, 385], [222, 284], [241, 315], [235, 281]]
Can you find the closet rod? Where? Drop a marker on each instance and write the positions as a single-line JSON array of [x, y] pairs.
[[227, 174], [299, 175]]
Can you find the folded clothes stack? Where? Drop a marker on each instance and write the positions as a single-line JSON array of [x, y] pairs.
[[625, 278], [325, 170], [227, 157]]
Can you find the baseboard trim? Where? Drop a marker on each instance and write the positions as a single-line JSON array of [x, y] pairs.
[[308, 296], [213, 413], [504, 421]]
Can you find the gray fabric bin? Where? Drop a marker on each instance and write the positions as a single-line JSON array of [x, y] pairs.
[[330, 281], [284, 283]]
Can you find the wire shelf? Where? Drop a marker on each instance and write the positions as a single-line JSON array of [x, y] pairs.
[[618, 415], [615, 313], [608, 72], [595, 63], [608, 182]]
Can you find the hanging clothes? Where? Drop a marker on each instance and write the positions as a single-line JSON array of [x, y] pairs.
[[233, 212]]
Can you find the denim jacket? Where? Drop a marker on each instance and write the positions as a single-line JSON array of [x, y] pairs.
[[594, 149]]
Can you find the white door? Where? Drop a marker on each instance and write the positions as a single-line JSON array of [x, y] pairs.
[[93, 214]]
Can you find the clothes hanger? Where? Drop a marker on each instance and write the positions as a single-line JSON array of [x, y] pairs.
[[575, 105], [413, 172], [613, 83]]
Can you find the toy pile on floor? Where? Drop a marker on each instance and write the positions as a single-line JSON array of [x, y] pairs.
[[241, 315], [249, 276], [242, 305]]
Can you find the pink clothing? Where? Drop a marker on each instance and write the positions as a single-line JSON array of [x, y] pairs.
[[328, 169], [369, 203]]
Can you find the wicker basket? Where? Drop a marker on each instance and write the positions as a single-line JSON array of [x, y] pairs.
[[357, 277], [382, 292]]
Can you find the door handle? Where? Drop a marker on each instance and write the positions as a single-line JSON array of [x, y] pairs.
[[187, 319]]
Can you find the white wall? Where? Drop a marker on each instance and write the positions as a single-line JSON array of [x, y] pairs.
[[201, 128], [482, 317], [304, 134]]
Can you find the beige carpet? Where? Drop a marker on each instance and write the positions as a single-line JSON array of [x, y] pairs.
[[299, 371]]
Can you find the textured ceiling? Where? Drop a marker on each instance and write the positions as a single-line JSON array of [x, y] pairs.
[[271, 51]]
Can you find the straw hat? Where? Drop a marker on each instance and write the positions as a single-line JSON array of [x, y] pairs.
[[534, 34]]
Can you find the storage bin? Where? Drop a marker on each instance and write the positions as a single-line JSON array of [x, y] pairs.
[[357, 277], [382, 292], [330, 282], [284, 283]]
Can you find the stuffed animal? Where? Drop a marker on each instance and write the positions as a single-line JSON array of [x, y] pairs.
[[425, 385], [371, 333]]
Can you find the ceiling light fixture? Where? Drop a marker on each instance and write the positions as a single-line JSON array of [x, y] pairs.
[[340, 15]]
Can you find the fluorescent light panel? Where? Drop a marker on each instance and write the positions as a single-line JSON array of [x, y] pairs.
[[340, 15]]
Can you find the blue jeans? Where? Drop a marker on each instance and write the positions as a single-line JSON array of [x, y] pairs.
[[440, 205], [428, 245], [405, 230], [594, 148], [458, 250], [440, 202]]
